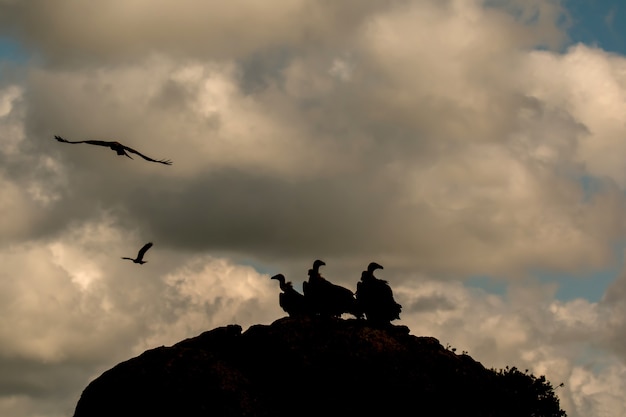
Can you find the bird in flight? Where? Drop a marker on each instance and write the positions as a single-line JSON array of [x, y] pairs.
[[117, 147], [142, 252]]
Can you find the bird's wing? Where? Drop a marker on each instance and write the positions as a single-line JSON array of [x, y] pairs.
[[143, 250], [161, 161], [60, 139], [98, 142], [91, 142]]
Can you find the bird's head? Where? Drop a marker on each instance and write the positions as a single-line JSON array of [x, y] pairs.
[[317, 264], [279, 277], [373, 266]]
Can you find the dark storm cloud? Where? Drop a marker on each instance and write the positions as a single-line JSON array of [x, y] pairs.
[[430, 303], [260, 70], [36, 379], [233, 210]]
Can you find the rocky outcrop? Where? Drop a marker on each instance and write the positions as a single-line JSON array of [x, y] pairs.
[[312, 367]]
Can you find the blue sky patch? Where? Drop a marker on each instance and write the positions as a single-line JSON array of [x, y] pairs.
[[600, 23], [10, 50]]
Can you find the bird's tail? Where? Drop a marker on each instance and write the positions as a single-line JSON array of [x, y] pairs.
[[123, 152]]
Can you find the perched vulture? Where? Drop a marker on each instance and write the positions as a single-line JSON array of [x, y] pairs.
[[326, 298], [292, 302], [375, 299], [142, 252], [117, 147]]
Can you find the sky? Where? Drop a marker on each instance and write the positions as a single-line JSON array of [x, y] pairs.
[[474, 148]]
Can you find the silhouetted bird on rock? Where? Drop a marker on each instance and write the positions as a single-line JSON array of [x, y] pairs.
[[326, 298], [292, 302], [375, 299]]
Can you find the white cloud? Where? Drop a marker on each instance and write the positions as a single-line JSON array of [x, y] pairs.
[[599, 395], [590, 85], [72, 309], [11, 115], [529, 330]]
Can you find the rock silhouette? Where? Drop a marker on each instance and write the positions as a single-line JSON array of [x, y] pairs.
[[313, 366]]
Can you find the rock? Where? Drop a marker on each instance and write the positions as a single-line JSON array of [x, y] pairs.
[[311, 367]]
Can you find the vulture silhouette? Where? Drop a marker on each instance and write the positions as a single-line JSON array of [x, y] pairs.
[[326, 298], [291, 301], [142, 252], [375, 298], [117, 147]]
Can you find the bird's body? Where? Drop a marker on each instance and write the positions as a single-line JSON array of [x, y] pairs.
[[142, 252], [117, 147], [291, 301], [375, 298], [326, 298]]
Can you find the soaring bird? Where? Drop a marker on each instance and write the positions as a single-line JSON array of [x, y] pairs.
[[375, 298], [142, 252], [292, 302], [326, 298], [117, 147]]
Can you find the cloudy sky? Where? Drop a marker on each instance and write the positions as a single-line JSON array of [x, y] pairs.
[[475, 148]]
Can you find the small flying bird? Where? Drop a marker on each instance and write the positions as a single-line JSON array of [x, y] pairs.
[[142, 252], [117, 147]]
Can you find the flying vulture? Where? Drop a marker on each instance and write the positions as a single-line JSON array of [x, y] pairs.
[[117, 147], [142, 252], [292, 302], [375, 298], [326, 298]]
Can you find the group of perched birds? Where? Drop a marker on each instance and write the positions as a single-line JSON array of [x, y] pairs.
[[373, 299], [122, 150]]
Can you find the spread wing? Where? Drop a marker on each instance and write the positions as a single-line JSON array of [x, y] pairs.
[[91, 142], [161, 161], [143, 250]]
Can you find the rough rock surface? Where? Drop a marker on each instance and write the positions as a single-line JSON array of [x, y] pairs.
[[312, 367]]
